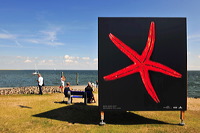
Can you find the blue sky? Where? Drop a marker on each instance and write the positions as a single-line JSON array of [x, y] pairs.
[[63, 34]]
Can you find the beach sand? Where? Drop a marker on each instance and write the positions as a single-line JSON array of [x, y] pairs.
[[193, 104], [78, 87]]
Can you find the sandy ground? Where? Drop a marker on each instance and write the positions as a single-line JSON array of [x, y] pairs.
[[78, 87], [193, 104]]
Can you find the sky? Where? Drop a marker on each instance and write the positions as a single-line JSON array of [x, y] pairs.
[[63, 34]]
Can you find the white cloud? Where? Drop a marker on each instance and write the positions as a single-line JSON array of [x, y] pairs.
[[86, 58], [69, 61], [49, 35], [36, 41], [46, 37], [66, 56], [45, 40], [47, 62], [9, 39], [43, 61], [71, 57], [18, 44], [85, 63], [27, 61], [43, 37], [95, 60], [18, 56], [194, 36], [7, 36], [53, 43]]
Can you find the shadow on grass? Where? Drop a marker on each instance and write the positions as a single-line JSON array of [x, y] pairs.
[[82, 114], [22, 106]]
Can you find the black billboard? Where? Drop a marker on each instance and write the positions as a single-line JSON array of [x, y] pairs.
[[142, 64]]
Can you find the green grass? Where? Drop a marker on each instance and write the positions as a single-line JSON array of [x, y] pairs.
[[35, 113]]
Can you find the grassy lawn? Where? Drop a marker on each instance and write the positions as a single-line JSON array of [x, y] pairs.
[[35, 113]]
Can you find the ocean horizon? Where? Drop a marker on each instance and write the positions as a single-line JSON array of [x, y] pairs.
[[23, 78]]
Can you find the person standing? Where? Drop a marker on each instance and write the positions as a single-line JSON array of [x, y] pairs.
[[62, 80], [40, 83]]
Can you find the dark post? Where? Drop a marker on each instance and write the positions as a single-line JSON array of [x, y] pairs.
[[77, 78]]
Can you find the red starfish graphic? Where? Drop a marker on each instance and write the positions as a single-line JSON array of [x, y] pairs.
[[142, 63]]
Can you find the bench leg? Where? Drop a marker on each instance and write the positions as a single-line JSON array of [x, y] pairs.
[[69, 97], [85, 98]]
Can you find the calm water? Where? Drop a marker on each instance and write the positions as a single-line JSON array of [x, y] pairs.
[[20, 78], [194, 84]]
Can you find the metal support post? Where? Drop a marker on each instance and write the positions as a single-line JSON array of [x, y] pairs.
[[182, 113], [102, 119]]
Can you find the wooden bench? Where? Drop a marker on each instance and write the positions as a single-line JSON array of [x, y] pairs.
[[77, 94]]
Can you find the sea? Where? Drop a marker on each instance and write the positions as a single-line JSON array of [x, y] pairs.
[[22, 78]]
